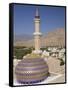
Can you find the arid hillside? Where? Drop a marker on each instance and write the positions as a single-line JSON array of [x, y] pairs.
[[54, 38]]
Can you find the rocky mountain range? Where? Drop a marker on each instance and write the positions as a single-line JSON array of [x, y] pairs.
[[53, 38]]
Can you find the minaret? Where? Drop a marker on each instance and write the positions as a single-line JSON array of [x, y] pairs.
[[37, 34]]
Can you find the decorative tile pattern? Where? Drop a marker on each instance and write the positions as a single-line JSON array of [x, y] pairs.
[[31, 70]]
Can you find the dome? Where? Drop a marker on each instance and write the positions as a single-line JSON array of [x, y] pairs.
[[31, 70]]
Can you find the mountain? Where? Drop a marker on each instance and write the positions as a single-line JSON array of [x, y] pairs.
[[53, 38], [23, 40]]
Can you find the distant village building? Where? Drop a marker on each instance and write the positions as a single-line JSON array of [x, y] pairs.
[[62, 53], [45, 54]]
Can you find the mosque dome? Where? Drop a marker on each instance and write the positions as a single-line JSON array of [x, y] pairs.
[[31, 70]]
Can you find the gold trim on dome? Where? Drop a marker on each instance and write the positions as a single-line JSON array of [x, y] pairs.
[[25, 72], [37, 66], [32, 77], [32, 65]]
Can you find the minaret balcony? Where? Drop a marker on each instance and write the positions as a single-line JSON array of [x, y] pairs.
[[37, 33], [36, 19]]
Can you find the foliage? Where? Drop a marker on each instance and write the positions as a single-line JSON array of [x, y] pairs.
[[19, 52], [45, 48], [61, 62]]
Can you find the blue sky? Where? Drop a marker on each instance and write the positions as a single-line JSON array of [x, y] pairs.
[[51, 18]]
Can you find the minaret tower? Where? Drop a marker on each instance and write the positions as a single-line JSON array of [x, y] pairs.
[[37, 34]]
